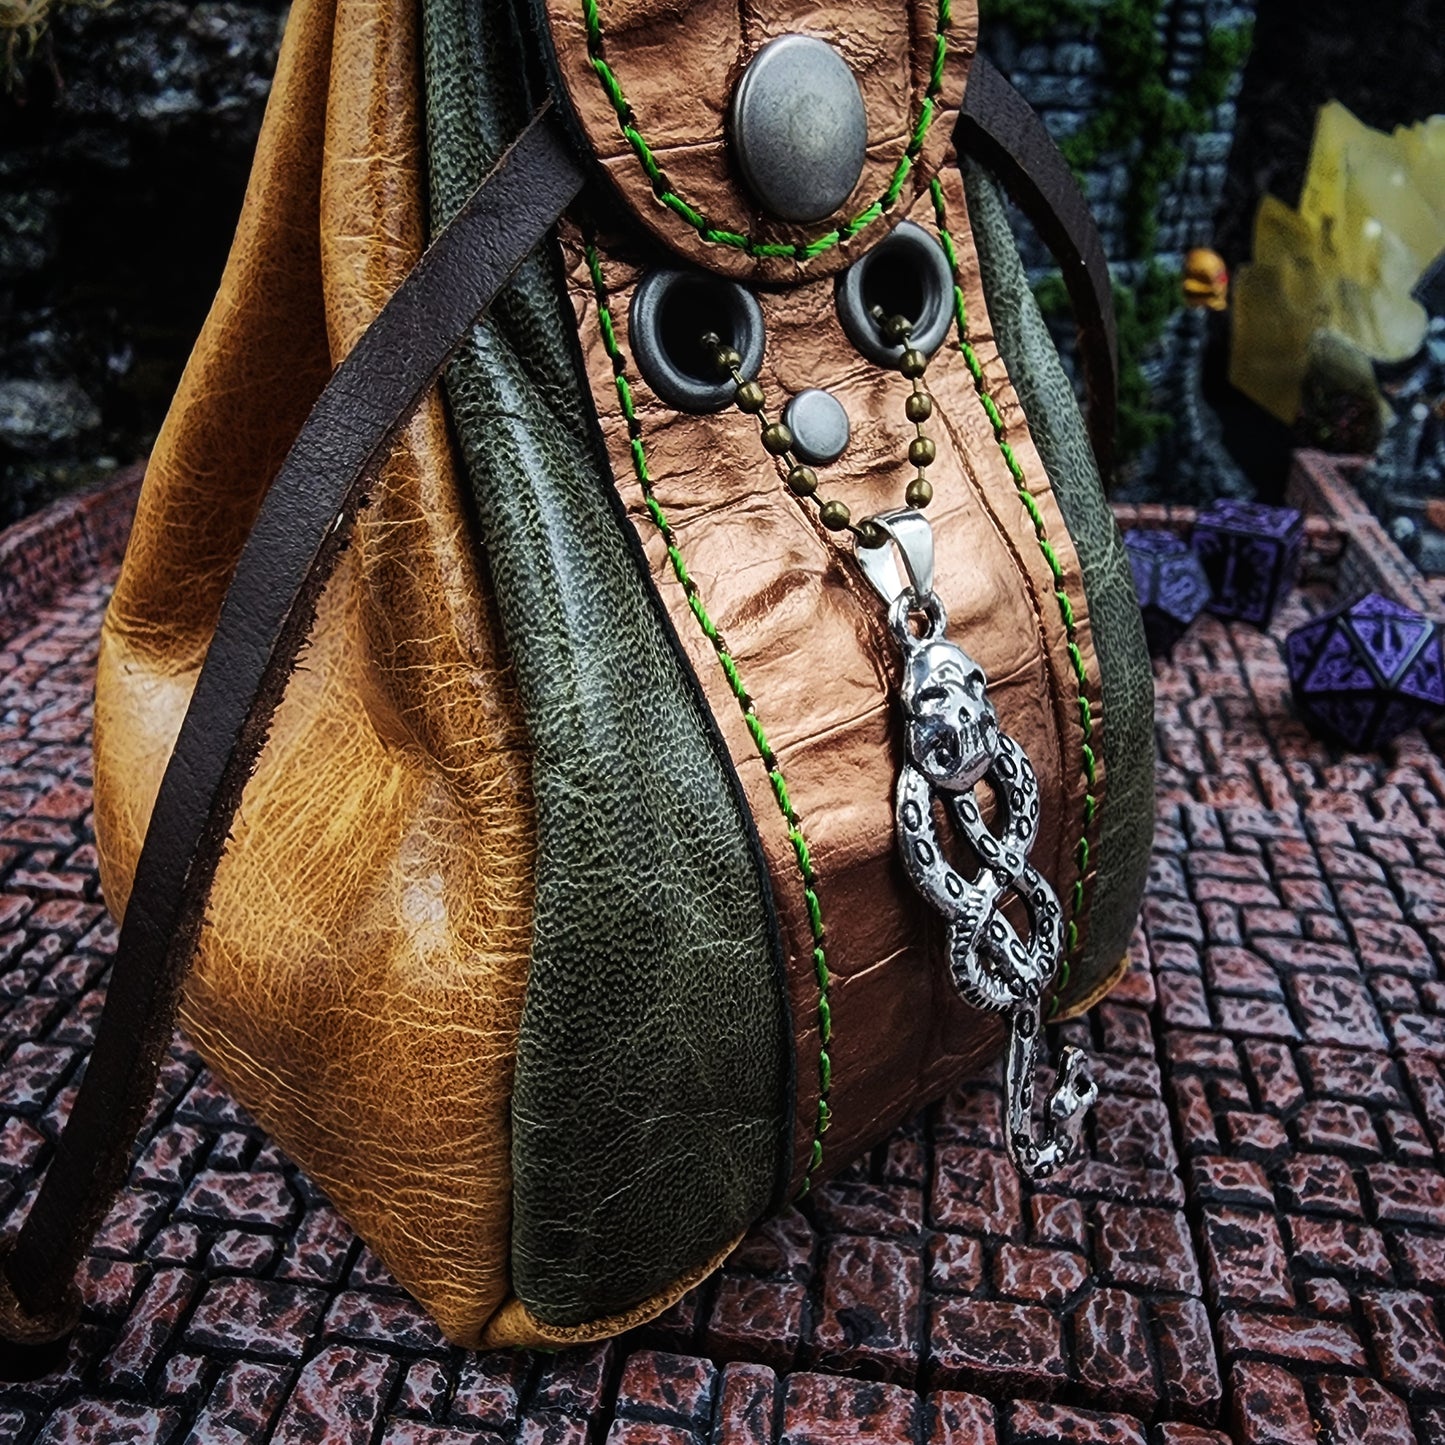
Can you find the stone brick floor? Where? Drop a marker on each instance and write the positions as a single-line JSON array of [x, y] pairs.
[[1256, 1245]]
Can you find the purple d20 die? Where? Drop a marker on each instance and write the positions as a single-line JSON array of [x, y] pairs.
[[1171, 585], [1364, 673], [1250, 554]]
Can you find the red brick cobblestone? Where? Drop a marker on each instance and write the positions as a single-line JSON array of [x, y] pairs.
[[1254, 1250]]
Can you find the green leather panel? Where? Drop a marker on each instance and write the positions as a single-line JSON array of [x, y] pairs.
[[1126, 826], [653, 1076]]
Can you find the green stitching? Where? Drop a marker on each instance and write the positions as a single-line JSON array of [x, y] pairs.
[[1066, 607], [744, 701], [804, 250]]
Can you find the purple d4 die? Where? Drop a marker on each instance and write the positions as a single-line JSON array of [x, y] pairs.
[[1364, 673], [1250, 554], [1170, 583]]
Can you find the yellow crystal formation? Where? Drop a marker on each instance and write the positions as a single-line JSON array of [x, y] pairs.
[[1371, 218]]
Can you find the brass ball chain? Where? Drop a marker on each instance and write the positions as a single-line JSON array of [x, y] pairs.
[[802, 480]]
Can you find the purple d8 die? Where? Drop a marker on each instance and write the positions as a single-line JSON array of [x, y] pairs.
[[1170, 583], [1250, 554], [1364, 673]]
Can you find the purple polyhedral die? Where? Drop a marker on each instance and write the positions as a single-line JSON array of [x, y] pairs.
[[1364, 673], [1170, 584], [1250, 554]]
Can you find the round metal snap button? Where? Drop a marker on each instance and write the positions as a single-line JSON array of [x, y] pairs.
[[819, 425], [799, 128]]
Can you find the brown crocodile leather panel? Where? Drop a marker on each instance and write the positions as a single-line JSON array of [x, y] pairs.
[[809, 640], [665, 69], [359, 983]]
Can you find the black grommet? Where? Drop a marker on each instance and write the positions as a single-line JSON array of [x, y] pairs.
[[671, 311], [905, 274]]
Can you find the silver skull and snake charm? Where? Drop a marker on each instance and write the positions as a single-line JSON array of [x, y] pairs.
[[953, 742]]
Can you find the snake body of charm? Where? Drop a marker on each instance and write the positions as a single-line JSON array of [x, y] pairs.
[[952, 743]]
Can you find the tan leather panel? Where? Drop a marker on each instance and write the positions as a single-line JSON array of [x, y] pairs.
[[260, 362], [360, 980], [676, 63], [809, 641]]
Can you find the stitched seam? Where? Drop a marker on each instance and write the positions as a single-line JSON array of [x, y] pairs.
[[796, 837], [1087, 759], [803, 250]]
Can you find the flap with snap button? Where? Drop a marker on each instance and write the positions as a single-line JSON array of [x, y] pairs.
[[768, 142]]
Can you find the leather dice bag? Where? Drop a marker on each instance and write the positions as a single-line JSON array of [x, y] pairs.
[[579, 896]]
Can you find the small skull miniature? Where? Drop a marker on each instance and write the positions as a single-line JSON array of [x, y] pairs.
[[952, 729]]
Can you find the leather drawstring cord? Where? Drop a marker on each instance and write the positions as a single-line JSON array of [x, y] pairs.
[[304, 523], [1004, 134]]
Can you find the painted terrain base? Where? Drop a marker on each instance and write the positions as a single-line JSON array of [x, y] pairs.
[[1256, 1244]]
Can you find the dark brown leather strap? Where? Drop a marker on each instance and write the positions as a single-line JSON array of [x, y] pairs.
[[1003, 132], [302, 526]]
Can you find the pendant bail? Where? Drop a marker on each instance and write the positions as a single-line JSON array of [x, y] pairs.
[[910, 537]]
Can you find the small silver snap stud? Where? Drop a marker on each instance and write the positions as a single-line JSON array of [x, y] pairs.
[[819, 425]]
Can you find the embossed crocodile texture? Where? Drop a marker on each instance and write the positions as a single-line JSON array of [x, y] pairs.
[[675, 65], [810, 643], [652, 1085], [360, 979], [1126, 829]]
